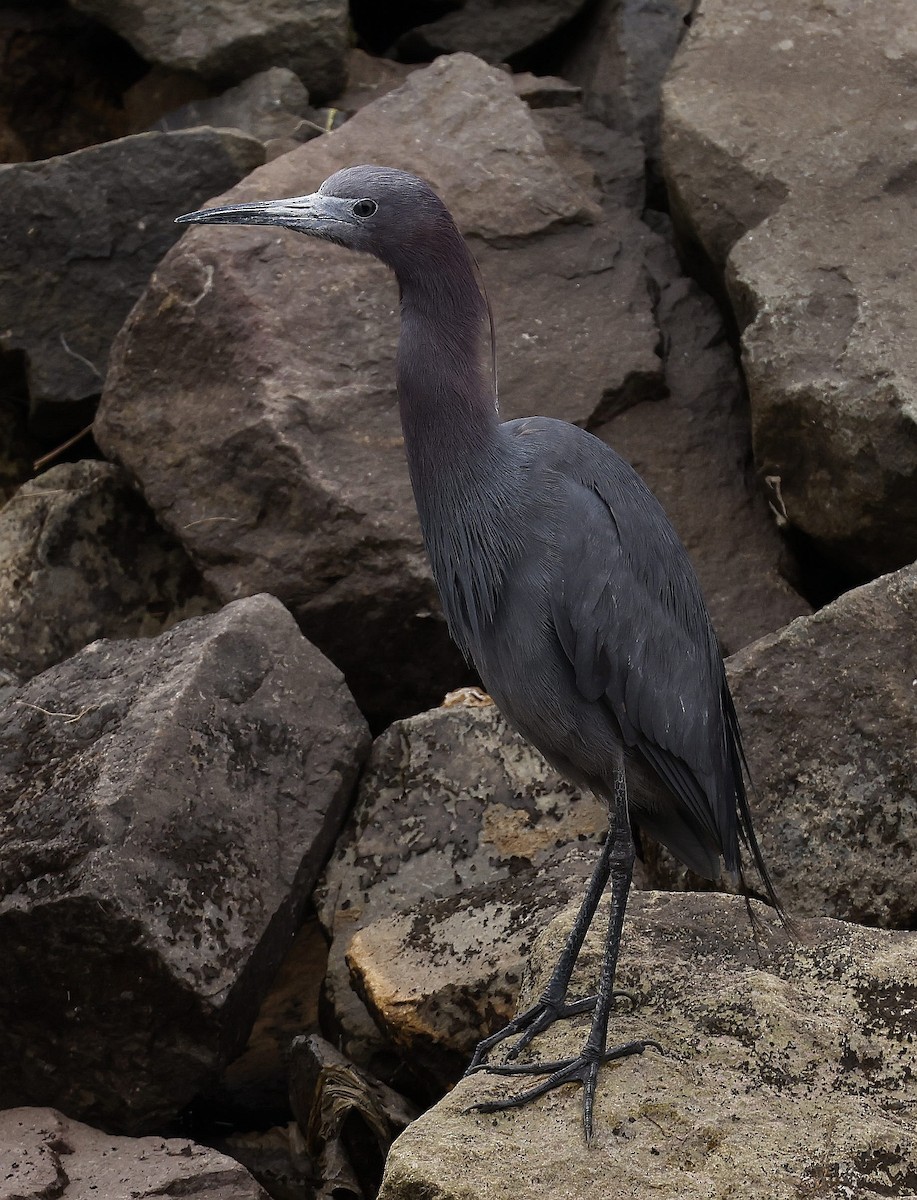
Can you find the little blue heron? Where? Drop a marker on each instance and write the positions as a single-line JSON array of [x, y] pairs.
[[560, 577]]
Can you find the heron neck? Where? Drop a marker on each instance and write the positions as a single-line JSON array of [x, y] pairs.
[[448, 407]]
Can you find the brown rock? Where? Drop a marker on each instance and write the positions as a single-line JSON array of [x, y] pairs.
[[165, 806], [809, 222], [788, 1070], [81, 557], [44, 1154]]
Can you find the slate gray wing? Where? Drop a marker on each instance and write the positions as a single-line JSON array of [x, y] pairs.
[[629, 614]]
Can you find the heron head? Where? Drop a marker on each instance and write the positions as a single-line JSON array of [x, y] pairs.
[[379, 210]]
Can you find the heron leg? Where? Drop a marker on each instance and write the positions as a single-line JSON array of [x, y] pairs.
[[551, 1005], [584, 1068]]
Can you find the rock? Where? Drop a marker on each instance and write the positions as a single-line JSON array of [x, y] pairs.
[[788, 1070], [450, 800], [692, 448], [446, 973], [84, 233], [810, 227], [621, 60], [81, 557], [61, 80], [217, 396], [228, 40], [45, 1154], [495, 30], [827, 709], [368, 78], [166, 805], [268, 105], [546, 91], [256, 1084], [349, 1120], [158, 92], [277, 1159]]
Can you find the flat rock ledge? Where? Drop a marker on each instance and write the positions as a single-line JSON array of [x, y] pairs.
[[789, 1071], [45, 1155]]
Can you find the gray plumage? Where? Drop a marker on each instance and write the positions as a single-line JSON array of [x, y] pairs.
[[560, 577]]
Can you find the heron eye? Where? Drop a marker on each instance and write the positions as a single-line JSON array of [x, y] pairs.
[[364, 208]]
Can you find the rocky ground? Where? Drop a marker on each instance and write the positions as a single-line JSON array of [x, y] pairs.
[[244, 944]]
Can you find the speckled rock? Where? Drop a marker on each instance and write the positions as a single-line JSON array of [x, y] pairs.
[[446, 973], [809, 222], [165, 806], [450, 800], [81, 557], [789, 1071], [44, 1154]]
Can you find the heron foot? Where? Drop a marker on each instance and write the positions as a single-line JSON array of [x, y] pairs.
[[584, 1069], [534, 1020]]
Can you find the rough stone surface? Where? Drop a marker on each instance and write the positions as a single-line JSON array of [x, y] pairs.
[[789, 1071], [495, 30], [44, 1154], [81, 557], [253, 388], [810, 223], [226, 40], [446, 973], [450, 800], [166, 805], [621, 60], [82, 234], [827, 707], [268, 105]]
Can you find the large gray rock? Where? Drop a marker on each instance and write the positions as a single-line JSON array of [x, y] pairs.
[[45, 1154], [252, 393], [81, 557], [451, 801], [788, 1071], [83, 234], [228, 40], [809, 222], [165, 806]]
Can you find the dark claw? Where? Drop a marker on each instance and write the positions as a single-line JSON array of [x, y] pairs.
[[535, 1020], [583, 1069]]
